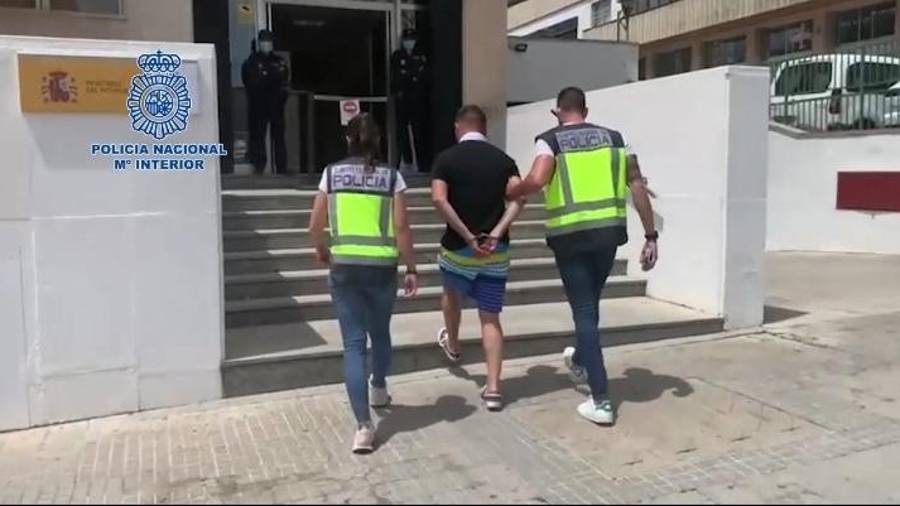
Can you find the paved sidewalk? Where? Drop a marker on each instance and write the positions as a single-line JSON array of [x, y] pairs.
[[804, 411]]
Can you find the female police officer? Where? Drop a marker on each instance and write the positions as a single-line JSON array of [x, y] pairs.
[[364, 203]]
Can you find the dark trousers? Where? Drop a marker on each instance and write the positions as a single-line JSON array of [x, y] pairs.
[[261, 116], [584, 276], [411, 115]]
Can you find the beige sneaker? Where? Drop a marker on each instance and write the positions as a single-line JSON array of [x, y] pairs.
[[379, 398], [364, 440]]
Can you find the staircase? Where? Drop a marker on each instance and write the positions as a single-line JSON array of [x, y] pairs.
[[280, 327]]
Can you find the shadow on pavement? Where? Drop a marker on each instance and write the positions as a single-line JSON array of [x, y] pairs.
[[775, 314], [638, 385], [643, 385], [399, 418]]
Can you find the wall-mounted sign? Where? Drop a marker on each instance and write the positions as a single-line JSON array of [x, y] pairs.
[[869, 191], [74, 84], [349, 110]]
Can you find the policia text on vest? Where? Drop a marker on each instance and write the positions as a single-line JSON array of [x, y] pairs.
[[361, 215], [588, 187]]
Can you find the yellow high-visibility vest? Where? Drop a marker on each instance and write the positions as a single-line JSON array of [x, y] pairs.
[[361, 214], [588, 188]]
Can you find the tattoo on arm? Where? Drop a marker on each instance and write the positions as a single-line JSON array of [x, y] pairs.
[[634, 169]]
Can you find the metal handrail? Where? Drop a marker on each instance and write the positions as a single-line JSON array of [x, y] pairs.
[[855, 88]]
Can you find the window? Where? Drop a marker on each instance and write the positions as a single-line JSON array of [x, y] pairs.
[[871, 76], [866, 23], [804, 79], [111, 7], [671, 63], [725, 52], [106, 7], [601, 12], [639, 6], [567, 29], [789, 39], [19, 4]]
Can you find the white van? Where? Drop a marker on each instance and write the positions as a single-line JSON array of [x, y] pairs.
[[837, 92]]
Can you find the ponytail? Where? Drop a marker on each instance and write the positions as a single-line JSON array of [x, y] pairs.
[[364, 140]]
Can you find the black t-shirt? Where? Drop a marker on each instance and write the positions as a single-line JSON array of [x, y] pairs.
[[476, 174]]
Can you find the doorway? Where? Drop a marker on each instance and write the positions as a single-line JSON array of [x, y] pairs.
[[335, 54], [342, 49]]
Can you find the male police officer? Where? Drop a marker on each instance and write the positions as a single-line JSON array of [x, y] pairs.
[[409, 85], [265, 77], [587, 168]]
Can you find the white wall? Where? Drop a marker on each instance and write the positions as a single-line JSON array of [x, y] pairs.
[[803, 214], [111, 282], [485, 47], [536, 73], [699, 137]]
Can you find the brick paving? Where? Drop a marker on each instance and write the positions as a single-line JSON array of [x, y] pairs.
[[439, 446]]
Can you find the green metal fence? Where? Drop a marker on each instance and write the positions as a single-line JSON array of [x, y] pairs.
[[848, 89]]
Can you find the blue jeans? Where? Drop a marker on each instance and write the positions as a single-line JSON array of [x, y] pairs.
[[364, 302], [584, 274]]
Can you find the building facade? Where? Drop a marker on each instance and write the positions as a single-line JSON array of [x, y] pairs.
[[167, 20], [683, 35], [559, 19], [463, 42]]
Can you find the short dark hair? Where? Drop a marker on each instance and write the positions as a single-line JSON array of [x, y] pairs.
[[473, 116], [571, 99]]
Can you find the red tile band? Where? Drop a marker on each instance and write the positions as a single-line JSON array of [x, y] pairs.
[[869, 191]]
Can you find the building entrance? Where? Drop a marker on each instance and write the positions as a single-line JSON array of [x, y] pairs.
[[350, 50], [336, 54], [339, 50]]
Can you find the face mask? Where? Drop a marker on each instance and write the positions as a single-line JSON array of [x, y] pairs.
[[409, 45], [266, 47]]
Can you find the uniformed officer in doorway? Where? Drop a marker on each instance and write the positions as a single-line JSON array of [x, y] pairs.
[[265, 77], [409, 86]]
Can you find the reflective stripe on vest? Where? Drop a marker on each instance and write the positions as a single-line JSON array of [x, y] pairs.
[[587, 190], [362, 224]]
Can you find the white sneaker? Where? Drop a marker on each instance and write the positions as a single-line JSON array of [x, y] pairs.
[[577, 374], [600, 413], [364, 440], [378, 397]]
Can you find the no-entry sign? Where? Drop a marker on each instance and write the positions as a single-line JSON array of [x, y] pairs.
[[349, 110]]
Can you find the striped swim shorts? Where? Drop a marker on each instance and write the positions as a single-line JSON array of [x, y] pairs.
[[480, 279]]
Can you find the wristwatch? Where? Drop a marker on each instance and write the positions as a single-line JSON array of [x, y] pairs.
[[652, 237]]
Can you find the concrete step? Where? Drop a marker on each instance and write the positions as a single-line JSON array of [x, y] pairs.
[[313, 282], [254, 240], [271, 261], [295, 199], [302, 199], [246, 180], [296, 355], [268, 182], [254, 312], [281, 219]]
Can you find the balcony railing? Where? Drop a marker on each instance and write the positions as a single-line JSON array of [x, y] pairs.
[[849, 89]]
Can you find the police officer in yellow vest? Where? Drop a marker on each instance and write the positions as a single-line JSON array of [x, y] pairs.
[[364, 202], [587, 170]]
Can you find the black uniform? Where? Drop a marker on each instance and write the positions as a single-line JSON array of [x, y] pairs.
[[265, 79], [409, 85]]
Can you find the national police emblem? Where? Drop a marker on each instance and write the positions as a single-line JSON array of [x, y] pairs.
[[159, 100]]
